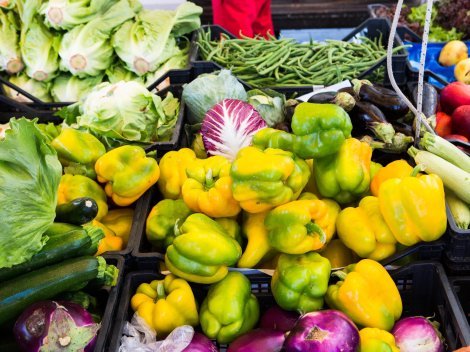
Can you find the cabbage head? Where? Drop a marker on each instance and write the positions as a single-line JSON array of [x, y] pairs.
[[67, 88], [38, 89], [10, 55], [117, 72]]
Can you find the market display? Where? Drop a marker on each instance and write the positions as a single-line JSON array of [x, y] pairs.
[[272, 222]]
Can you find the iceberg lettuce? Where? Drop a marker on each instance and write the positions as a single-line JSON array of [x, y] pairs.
[[10, 56]]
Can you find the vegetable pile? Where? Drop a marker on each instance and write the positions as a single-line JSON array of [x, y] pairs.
[[59, 50]]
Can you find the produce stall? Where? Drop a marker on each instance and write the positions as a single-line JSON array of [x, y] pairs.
[[170, 186]]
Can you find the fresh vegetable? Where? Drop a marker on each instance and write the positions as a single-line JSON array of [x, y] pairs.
[[323, 331], [66, 14], [72, 187], [86, 50], [51, 325], [396, 169], [342, 99], [367, 116], [120, 222], [299, 226], [269, 104], [278, 319], [258, 248], [173, 172], [179, 60], [10, 55], [163, 219], [68, 88], [127, 172], [229, 126], [273, 177], [453, 52], [65, 241], [49, 281], [367, 294], [208, 188], [148, 41], [200, 343], [258, 340], [78, 151], [460, 211], [363, 229], [457, 137], [166, 304], [417, 334], [318, 130], [207, 90], [198, 146], [29, 175], [344, 176], [117, 72], [38, 89], [273, 62], [430, 99], [110, 242], [231, 227], [454, 95], [338, 254], [201, 250], [400, 143], [78, 211], [374, 340], [225, 322], [461, 71], [461, 120], [443, 124], [126, 111], [422, 219], [446, 150], [453, 177], [300, 281]]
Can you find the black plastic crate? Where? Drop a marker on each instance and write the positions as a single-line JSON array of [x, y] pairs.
[[423, 286], [458, 250], [371, 28], [461, 287]]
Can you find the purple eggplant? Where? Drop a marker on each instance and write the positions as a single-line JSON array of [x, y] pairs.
[[266, 340], [323, 331], [342, 99], [200, 343], [278, 319], [49, 325], [417, 334]]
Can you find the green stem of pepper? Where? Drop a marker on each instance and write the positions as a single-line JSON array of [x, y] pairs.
[[313, 228], [160, 291], [209, 183]]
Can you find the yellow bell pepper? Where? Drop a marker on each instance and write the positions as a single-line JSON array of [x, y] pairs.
[[110, 242], [258, 248], [367, 294], [311, 186], [173, 172], [77, 186], [376, 340], [166, 304], [414, 208], [208, 188], [127, 172], [338, 254], [363, 229], [120, 222], [396, 169], [331, 215]]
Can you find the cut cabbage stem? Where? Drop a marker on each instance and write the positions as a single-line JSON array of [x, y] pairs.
[[141, 66], [55, 15], [78, 62], [40, 75], [14, 66]]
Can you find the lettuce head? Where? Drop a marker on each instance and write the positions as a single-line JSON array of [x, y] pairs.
[[10, 56], [67, 88], [29, 179], [38, 89]]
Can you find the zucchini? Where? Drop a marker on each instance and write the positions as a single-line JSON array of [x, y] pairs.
[[460, 211], [78, 211], [47, 282], [65, 241]]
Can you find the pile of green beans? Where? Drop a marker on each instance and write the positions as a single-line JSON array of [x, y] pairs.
[[285, 62]]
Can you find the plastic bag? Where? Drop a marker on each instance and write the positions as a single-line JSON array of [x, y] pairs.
[[139, 337]]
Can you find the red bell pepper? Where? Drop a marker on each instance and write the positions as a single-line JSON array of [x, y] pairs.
[[443, 124]]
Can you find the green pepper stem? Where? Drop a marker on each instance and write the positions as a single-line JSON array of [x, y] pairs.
[[209, 180], [160, 291], [340, 274], [314, 228]]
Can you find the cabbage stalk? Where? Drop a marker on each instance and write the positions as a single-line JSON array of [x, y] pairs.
[[86, 49], [67, 88], [36, 88], [66, 14], [10, 56], [149, 41]]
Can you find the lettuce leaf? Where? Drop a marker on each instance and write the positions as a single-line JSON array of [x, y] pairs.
[[29, 179]]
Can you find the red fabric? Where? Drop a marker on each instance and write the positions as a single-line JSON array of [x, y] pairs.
[[247, 17]]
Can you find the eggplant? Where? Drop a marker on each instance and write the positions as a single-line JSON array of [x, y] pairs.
[[385, 99], [367, 116], [266, 340], [278, 319], [289, 108], [430, 99], [402, 127], [349, 90], [342, 99]]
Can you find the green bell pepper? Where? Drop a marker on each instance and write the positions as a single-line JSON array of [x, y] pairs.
[[300, 281], [318, 131], [201, 250], [230, 309], [161, 222]]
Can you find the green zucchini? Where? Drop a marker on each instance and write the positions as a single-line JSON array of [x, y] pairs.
[[47, 282], [65, 241], [78, 211]]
